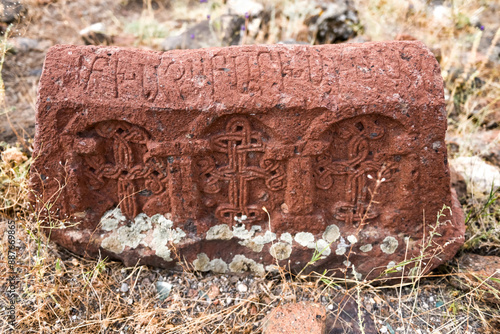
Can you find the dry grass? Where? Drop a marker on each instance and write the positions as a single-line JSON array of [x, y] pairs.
[[61, 292]]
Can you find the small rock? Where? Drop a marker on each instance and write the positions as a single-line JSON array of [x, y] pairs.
[[196, 37], [242, 288], [11, 11], [95, 34], [296, 318], [124, 287], [145, 283], [163, 289], [484, 144], [213, 291], [481, 175], [207, 34], [335, 22], [23, 44], [481, 273], [245, 8]]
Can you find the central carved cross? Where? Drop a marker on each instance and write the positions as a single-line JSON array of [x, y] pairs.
[[238, 142]]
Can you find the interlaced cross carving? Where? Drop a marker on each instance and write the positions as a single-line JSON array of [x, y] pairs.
[[358, 170], [127, 172], [237, 143]]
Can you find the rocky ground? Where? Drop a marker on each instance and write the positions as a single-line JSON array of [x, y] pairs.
[[61, 292]]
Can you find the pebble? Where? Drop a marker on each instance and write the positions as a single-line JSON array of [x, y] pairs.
[[124, 287], [242, 288]]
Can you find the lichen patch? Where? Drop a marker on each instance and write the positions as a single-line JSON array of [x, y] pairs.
[[252, 245], [112, 244], [340, 250], [164, 234], [202, 262], [305, 239], [323, 247], [131, 236], [366, 248], [112, 219], [286, 237], [265, 239], [281, 251], [155, 233], [218, 266], [331, 234], [219, 232], [352, 239], [389, 245], [242, 264], [241, 232]]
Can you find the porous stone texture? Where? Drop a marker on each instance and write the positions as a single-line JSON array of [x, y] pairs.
[[240, 159], [296, 318]]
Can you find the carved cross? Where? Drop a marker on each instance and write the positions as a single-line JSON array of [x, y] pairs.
[[123, 168], [237, 143], [357, 168]]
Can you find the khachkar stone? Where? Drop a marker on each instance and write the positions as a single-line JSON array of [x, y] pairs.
[[239, 159]]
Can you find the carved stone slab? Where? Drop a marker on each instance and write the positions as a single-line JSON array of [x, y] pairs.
[[244, 158]]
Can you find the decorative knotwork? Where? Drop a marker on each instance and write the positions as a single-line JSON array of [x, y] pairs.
[[132, 175], [238, 142], [358, 169]]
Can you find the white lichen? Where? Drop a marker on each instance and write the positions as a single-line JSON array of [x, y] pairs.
[[112, 219], [323, 247], [112, 244], [164, 234], [131, 236], [218, 266], [264, 239], [352, 239], [340, 250], [252, 245], [242, 264], [389, 245], [241, 232], [332, 233], [219, 232], [392, 265], [286, 237], [281, 251], [366, 248], [305, 239], [272, 268], [202, 262], [155, 232]]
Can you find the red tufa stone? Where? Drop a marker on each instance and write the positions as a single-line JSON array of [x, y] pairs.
[[296, 318], [161, 155]]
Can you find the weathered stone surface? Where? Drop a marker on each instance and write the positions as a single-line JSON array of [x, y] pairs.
[[296, 318], [158, 155]]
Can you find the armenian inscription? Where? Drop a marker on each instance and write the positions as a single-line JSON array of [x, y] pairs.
[[245, 158]]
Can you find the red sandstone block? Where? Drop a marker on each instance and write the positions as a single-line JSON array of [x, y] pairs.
[[186, 152]]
